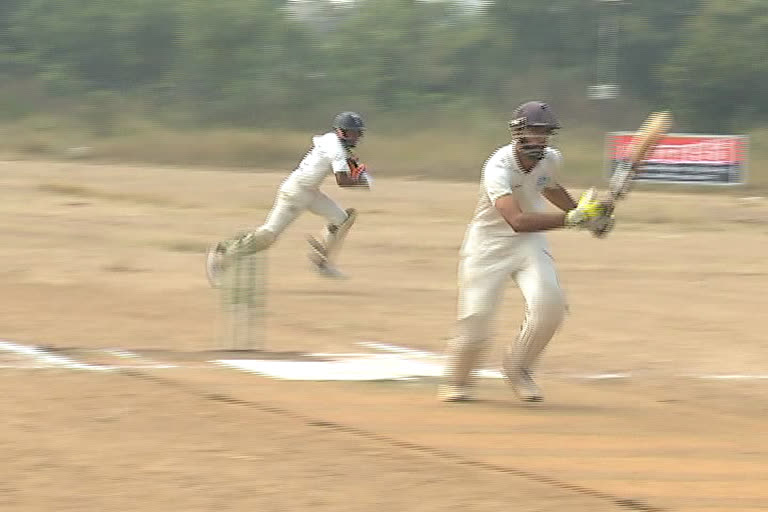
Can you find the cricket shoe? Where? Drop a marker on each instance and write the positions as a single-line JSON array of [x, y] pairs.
[[215, 264], [450, 393], [325, 268], [319, 259], [318, 247], [522, 384]]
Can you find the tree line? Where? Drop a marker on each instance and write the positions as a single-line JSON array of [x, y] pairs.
[[259, 62]]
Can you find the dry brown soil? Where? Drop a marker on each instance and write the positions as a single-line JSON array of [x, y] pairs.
[[103, 257]]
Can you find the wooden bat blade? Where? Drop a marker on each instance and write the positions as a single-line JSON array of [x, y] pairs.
[[655, 127]]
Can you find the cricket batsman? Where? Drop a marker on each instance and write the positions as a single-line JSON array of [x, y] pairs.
[[331, 153], [505, 239]]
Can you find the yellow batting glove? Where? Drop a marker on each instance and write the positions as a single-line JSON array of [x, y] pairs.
[[588, 209]]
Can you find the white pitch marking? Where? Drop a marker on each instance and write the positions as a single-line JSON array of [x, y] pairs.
[[342, 354], [488, 374], [603, 376], [357, 369], [44, 357], [386, 347], [394, 365], [121, 353], [146, 362], [732, 377]]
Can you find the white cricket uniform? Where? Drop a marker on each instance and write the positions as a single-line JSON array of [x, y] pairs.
[[301, 189], [492, 252]]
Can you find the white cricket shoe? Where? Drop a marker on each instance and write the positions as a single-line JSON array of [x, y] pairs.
[[449, 393], [325, 268], [523, 384], [214, 264], [317, 246]]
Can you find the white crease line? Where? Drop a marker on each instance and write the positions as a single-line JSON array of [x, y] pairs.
[[342, 354], [49, 360], [53, 360], [106, 368], [145, 366], [146, 362], [121, 353], [729, 377], [386, 347], [602, 376]]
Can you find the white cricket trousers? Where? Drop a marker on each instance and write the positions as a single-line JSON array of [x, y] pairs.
[[485, 269], [288, 207]]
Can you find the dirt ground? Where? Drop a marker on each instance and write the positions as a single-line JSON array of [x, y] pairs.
[[110, 257]]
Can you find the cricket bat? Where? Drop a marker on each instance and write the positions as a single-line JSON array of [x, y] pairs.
[[655, 127]]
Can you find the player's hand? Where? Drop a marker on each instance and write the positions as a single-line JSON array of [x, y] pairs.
[[586, 212], [364, 180], [356, 169], [601, 226]]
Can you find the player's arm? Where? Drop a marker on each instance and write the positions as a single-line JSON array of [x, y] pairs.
[[587, 212], [349, 173], [527, 222], [500, 185], [559, 196]]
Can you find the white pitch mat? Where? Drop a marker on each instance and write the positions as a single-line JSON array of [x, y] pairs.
[[347, 368], [383, 362], [399, 363]]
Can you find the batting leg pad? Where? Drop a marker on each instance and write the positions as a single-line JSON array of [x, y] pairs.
[[250, 242], [466, 351], [333, 237]]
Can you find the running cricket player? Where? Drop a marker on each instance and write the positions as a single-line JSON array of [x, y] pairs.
[[331, 153]]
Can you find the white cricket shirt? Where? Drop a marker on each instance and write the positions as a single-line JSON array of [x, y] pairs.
[[326, 156], [502, 175]]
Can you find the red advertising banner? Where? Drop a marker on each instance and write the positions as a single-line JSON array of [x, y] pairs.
[[686, 158]]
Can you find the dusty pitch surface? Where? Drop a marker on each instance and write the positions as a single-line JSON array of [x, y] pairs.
[[99, 257]]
